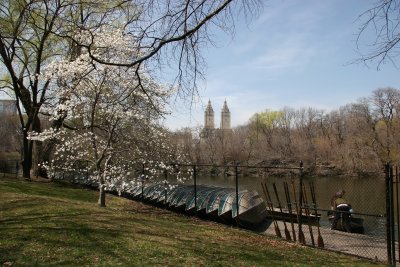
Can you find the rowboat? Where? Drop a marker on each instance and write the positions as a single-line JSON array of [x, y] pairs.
[[192, 201], [213, 204], [252, 210], [356, 224]]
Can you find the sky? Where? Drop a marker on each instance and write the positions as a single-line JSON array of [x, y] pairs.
[[294, 54]]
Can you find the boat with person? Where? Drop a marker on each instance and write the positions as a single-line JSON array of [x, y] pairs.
[[356, 223], [341, 216]]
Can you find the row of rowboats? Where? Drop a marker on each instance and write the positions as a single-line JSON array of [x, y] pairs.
[[214, 203]]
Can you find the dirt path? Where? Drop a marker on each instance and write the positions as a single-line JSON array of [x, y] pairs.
[[356, 244]]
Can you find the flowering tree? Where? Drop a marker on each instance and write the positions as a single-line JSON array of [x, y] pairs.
[[33, 34], [110, 121], [166, 35]]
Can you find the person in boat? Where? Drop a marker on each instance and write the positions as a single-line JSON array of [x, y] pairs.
[[342, 209]]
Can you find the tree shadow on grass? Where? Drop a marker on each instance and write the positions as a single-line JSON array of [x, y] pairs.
[[73, 239], [53, 189], [33, 224]]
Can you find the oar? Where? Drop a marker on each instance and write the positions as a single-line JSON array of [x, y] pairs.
[[287, 233], [289, 204], [308, 215], [302, 238], [320, 241], [271, 208]]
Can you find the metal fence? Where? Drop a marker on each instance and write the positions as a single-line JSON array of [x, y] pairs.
[[392, 211], [301, 210], [299, 206], [12, 167]]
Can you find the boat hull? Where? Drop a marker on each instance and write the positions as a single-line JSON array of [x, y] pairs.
[[356, 224], [214, 203]]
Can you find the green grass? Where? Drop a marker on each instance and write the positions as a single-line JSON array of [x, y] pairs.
[[54, 224]]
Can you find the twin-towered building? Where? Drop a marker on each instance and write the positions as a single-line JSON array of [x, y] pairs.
[[209, 128]]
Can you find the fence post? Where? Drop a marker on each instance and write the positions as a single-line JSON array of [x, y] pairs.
[[16, 168], [397, 205], [195, 187], [142, 178], [237, 191], [165, 187], [300, 201], [392, 228], [389, 230], [87, 170]]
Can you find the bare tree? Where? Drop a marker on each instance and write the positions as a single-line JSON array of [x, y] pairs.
[[307, 124], [384, 102], [286, 132], [383, 20]]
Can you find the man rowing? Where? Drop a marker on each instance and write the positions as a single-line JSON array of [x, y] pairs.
[[341, 210]]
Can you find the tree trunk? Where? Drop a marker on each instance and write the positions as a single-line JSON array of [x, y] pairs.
[[102, 179], [27, 157], [102, 196]]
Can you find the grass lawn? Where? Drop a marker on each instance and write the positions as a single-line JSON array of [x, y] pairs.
[[55, 224]]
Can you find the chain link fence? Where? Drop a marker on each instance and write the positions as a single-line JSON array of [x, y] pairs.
[[301, 207], [360, 230], [12, 167]]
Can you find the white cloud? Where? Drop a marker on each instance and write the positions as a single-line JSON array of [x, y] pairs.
[[282, 39], [290, 53]]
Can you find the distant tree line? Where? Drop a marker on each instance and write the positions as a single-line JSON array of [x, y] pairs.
[[358, 138]]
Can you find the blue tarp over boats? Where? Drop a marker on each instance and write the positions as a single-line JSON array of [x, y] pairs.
[[215, 203]]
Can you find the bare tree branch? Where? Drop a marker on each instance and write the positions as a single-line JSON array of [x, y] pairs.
[[383, 20]]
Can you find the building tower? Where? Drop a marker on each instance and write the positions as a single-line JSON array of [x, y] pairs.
[[209, 117], [225, 117]]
